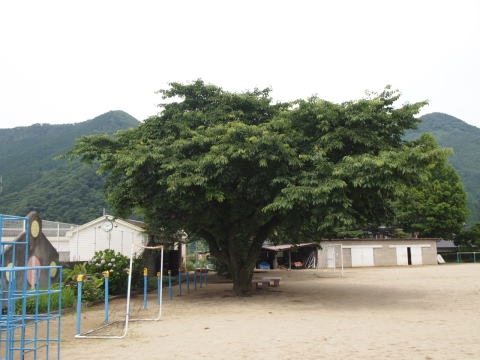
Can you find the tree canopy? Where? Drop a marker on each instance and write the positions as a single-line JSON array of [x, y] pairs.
[[237, 169], [436, 207], [463, 139], [469, 239]]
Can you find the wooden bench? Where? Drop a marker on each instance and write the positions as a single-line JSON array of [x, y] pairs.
[[261, 283], [273, 281]]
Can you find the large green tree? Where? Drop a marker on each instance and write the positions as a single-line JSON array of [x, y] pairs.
[[469, 239], [237, 169], [437, 206]]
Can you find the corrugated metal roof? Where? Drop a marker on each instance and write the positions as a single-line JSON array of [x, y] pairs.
[[445, 244], [285, 246]]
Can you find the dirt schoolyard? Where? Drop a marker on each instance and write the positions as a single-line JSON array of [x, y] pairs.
[[425, 312]]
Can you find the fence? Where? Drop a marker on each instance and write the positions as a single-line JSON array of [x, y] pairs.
[[462, 257], [56, 233]]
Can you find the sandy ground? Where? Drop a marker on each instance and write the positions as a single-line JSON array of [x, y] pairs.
[[428, 312]]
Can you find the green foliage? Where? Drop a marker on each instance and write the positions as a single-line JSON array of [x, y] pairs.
[[236, 169], [116, 264], [451, 132], [59, 190], [353, 161], [44, 302], [437, 206], [91, 286], [194, 262], [469, 239]]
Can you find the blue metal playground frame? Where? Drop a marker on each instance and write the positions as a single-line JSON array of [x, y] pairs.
[[26, 329]]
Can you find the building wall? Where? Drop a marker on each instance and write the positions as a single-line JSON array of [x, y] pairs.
[[80, 242], [85, 242], [380, 252]]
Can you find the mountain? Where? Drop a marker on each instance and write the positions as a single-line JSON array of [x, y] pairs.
[[464, 139], [60, 190]]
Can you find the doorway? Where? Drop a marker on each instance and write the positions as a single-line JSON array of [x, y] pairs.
[[409, 255]]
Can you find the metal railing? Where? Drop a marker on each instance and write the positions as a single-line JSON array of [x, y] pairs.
[[462, 257]]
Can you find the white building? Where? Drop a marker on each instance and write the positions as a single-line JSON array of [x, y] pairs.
[[106, 232], [56, 233], [379, 252]]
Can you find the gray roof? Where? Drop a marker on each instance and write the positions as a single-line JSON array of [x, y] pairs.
[[445, 244]]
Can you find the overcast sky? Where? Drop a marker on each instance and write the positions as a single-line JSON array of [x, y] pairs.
[[70, 61]]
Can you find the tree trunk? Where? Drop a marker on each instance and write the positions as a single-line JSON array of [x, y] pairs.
[[242, 281], [239, 252], [242, 269]]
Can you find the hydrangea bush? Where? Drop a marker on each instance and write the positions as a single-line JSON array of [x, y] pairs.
[[116, 264], [92, 290]]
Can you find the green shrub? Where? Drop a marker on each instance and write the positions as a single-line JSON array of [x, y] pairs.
[[91, 286], [116, 264], [39, 302], [69, 297], [193, 263]]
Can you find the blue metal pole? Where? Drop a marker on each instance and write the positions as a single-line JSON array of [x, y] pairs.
[[10, 338], [458, 257], [60, 280], [187, 274], [474, 257], [106, 274], [195, 280], [79, 302], [145, 275], [179, 282], [170, 284]]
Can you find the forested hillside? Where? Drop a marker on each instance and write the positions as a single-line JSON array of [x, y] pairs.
[[464, 139], [60, 190]]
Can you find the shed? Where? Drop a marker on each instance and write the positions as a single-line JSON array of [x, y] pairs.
[[106, 232], [289, 256], [379, 252]]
